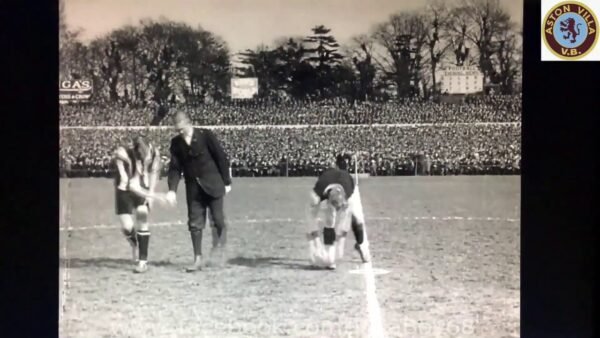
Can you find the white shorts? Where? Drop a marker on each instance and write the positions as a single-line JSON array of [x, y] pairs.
[[341, 220]]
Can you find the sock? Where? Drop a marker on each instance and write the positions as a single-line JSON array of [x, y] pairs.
[[197, 242], [215, 236], [222, 233], [358, 231], [219, 236], [144, 241]]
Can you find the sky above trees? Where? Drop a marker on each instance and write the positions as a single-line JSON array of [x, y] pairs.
[[244, 24]]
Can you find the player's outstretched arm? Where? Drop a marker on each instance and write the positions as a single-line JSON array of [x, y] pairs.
[[316, 252], [153, 176], [154, 173], [314, 206], [152, 180], [136, 188]]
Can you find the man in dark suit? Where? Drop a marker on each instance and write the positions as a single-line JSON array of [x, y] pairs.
[[205, 166]]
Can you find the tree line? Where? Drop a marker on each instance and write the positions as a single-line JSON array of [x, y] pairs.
[[160, 61]]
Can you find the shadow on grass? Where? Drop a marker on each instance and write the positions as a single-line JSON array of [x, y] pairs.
[[269, 262], [103, 262]]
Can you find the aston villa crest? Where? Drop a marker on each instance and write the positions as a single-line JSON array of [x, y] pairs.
[[570, 30]]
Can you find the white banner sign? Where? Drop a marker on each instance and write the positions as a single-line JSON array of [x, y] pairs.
[[75, 90], [244, 88], [462, 80]]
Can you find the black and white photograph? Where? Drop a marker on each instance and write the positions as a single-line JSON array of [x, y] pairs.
[[298, 168]]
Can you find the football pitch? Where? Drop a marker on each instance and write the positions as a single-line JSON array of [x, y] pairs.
[[451, 246]]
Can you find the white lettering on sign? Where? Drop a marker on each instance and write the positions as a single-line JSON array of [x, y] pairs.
[[75, 85]]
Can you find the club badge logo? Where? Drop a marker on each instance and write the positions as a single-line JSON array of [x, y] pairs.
[[570, 30]]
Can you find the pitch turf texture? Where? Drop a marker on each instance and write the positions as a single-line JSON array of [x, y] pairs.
[[451, 245]]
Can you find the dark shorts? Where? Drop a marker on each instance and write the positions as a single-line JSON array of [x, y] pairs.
[[198, 203], [127, 202]]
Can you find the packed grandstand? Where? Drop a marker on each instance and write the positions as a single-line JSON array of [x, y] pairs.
[[504, 108], [481, 135]]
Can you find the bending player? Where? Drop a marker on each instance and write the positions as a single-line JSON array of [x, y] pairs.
[[138, 172], [343, 208]]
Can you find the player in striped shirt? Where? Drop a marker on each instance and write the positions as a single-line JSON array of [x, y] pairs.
[[138, 172]]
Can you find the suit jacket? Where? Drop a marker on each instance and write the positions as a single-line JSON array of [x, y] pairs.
[[202, 162]]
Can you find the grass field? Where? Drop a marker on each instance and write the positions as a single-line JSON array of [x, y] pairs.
[[451, 244]]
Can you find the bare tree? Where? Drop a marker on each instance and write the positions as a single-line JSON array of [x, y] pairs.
[[484, 23], [361, 53], [73, 57], [402, 39], [507, 61], [127, 40], [437, 38], [457, 27]]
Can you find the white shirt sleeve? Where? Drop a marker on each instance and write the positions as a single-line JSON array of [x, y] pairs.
[[314, 198]]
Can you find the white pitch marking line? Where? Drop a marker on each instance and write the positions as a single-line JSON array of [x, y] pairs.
[[65, 285], [374, 310], [290, 220], [376, 329], [66, 274], [376, 271]]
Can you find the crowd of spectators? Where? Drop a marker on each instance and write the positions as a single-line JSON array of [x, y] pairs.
[[105, 115], [501, 108], [307, 150]]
